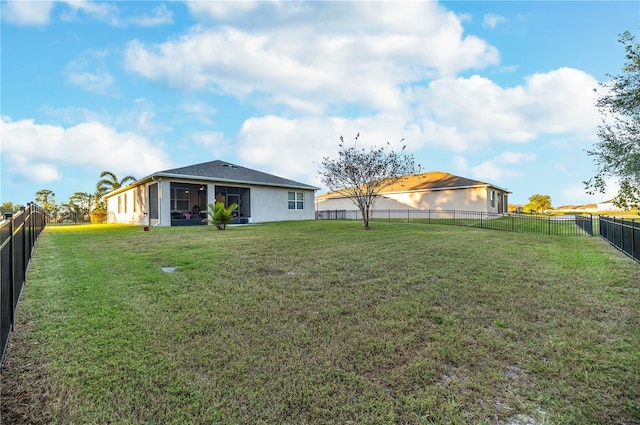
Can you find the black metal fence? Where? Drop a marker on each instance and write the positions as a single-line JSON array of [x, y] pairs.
[[562, 225], [18, 235], [70, 218], [622, 234]]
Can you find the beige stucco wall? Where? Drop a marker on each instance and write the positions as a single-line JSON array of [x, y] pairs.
[[267, 203], [132, 207], [271, 204], [469, 199]]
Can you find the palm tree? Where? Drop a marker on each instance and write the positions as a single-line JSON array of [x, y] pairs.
[[109, 182], [219, 215]]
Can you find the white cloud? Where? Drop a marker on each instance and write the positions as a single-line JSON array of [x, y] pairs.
[[111, 14], [106, 12], [27, 12], [319, 59], [37, 172], [465, 114], [220, 9], [491, 20], [213, 141], [209, 138], [295, 147], [575, 193], [89, 72], [159, 15], [200, 111], [561, 100], [99, 82], [515, 157], [497, 170], [48, 149], [38, 13]]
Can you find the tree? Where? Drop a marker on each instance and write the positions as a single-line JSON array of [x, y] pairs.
[[81, 203], [360, 174], [109, 182], [46, 198], [219, 215], [537, 203], [617, 153], [9, 207]]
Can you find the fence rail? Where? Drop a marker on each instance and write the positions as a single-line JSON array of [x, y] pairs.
[[18, 235], [569, 225], [622, 234]]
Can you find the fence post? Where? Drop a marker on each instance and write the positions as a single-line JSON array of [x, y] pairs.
[[9, 217], [621, 233], [549, 233]]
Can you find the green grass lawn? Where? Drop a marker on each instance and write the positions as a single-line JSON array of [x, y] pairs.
[[322, 322]]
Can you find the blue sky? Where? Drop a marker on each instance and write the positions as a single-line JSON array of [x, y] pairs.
[[496, 91]]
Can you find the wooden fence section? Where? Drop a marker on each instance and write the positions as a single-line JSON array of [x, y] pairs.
[[18, 235], [623, 234]]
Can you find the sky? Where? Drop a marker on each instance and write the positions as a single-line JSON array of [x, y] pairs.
[[501, 92]]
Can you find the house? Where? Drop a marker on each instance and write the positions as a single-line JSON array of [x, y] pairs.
[[608, 206], [429, 191], [180, 196]]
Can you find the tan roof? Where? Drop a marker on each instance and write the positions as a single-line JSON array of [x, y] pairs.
[[436, 180]]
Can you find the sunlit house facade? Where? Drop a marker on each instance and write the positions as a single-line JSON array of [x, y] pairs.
[[429, 191], [180, 196]]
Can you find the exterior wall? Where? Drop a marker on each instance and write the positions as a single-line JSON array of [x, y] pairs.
[[497, 201], [271, 204], [471, 199], [128, 207], [267, 203], [607, 206]]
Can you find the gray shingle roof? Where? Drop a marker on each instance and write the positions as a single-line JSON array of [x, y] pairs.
[[227, 172]]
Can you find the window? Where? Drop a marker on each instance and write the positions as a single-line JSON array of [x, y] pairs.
[[180, 199], [296, 200], [493, 198], [119, 204], [136, 197], [125, 203]]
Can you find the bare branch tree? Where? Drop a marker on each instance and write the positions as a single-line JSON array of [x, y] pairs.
[[360, 174]]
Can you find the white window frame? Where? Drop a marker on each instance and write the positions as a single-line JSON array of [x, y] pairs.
[[297, 203]]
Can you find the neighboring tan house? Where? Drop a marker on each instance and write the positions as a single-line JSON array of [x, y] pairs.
[[429, 191], [180, 196], [608, 206]]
